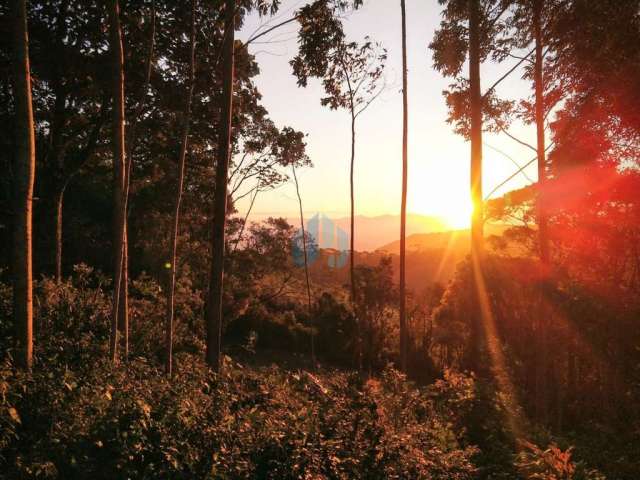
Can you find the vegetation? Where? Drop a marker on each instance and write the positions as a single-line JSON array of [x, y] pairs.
[[155, 331]]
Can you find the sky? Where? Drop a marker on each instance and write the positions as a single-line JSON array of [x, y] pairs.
[[438, 158]]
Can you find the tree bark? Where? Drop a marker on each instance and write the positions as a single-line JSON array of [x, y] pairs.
[[178, 199], [404, 337], [24, 175], [119, 162], [477, 236], [216, 282]]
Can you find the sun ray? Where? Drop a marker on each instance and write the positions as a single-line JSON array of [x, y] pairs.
[[514, 413]]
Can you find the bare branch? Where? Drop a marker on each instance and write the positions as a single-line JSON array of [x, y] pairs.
[[509, 72], [510, 158], [515, 139]]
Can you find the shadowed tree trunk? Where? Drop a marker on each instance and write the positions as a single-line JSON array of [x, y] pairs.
[[119, 162], [216, 281], [404, 338], [68, 168], [477, 239], [178, 199], [24, 174]]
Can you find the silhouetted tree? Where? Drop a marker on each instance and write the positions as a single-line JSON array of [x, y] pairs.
[[469, 31]]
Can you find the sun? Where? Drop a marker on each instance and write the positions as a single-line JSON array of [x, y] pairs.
[[456, 213], [451, 207]]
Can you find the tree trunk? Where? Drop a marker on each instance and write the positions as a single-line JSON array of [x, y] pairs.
[[123, 314], [477, 236], [352, 230], [59, 200], [119, 162], [24, 175], [178, 199], [123, 280], [216, 282], [543, 308], [404, 337], [306, 265]]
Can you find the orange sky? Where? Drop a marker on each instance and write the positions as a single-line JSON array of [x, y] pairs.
[[438, 159]]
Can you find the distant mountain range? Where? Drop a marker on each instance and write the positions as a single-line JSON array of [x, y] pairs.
[[371, 232], [431, 257]]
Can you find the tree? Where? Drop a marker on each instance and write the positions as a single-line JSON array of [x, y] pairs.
[[120, 170], [351, 81], [216, 282], [173, 257], [376, 298], [306, 261], [404, 337], [350, 74], [24, 174], [469, 31]]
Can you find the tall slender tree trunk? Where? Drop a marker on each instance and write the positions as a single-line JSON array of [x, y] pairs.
[[178, 199], [352, 235], [216, 282], [477, 236], [24, 175], [123, 314], [119, 162], [59, 200], [352, 230], [543, 323], [306, 264], [57, 150], [130, 142], [404, 337]]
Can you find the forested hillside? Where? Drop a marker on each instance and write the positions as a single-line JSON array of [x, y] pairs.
[[154, 325]]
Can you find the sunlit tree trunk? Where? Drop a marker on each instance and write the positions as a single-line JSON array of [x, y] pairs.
[[477, 236], [173, 259], [119, 162], [216, 281], [404, 337], [24, 174], [123, 314]]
